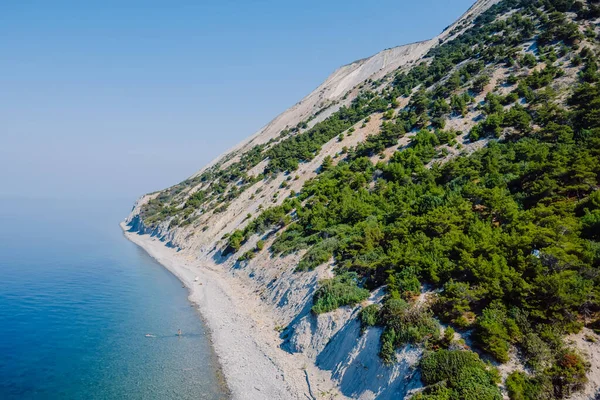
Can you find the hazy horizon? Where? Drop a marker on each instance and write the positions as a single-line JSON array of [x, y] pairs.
[[118, 100]]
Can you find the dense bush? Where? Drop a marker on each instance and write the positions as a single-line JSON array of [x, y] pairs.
[[318, 254], [404, 323], [568, 374], [522, 387], [369, 315], [341, 290], [495, 331], [404, 284], [463, 374]]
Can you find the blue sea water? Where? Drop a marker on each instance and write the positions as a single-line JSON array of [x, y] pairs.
[[76, 300]]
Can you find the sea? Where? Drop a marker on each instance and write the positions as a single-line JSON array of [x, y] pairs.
[[77, 300]]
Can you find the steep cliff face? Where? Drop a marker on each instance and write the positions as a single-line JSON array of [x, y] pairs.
[[196, 217]]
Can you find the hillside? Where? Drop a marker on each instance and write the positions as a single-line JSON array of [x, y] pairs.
[[424, 224]]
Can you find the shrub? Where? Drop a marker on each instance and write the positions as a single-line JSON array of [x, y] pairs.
[[536, 351], [249, 255], [438, 392], [318, 254], [455, 300], [463, 373], [522, 387], [529, 60], [510, 98], [495, 330], [445, 365], [476, 133], [448, 336], [411, 324], [340, 291], [479, 83], [512, 79], [438, 122], [387, 352], [235, 242], [568, 374], [591, 224], [404, 284], [369, 316]]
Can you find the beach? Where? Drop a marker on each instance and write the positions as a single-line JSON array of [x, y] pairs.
[[242, 331]]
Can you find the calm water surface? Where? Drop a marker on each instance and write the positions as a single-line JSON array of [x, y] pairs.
[[77, 298]]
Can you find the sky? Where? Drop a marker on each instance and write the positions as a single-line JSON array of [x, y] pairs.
[[114, 99]]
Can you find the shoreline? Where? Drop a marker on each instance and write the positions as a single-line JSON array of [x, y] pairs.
[[241, 333], [220, 375]]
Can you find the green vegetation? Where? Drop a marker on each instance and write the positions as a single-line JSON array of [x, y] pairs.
[[286, 155], [341, 290], [369, 315], [404, 324], [456, 374], [495, 330], [562, 380]]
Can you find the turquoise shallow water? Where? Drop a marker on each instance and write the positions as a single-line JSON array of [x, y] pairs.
[[77, 298]]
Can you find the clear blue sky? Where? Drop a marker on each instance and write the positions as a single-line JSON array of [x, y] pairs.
[[118, 98]]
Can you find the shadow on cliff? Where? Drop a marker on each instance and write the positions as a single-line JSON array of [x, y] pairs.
[[219, 257], [353, 359], [288, 332], [136, 225]]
